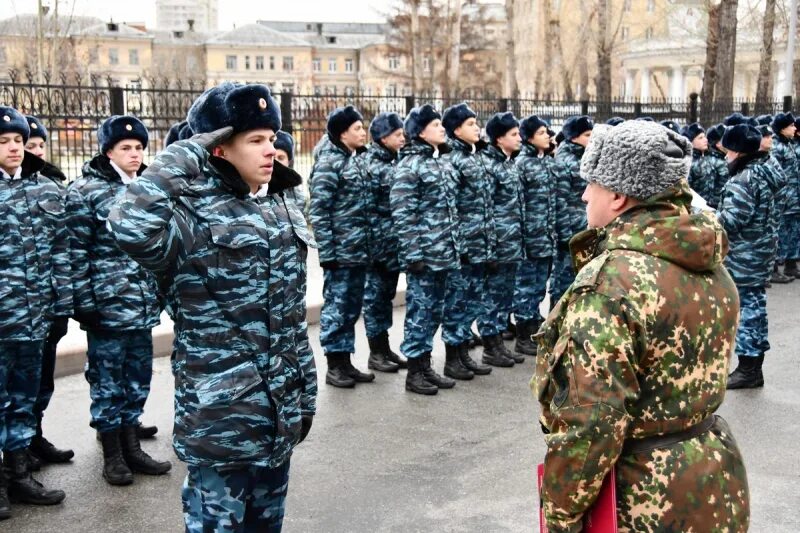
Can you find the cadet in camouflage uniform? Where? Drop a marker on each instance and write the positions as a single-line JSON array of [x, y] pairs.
[[717, 152], [341, 213], [41, 449], [380, 288], [284, 153], [231, 250], [633, 359], [702, 174], [538, 173], [35, 286], [507, 210], [116, 302], [569, 206], [749, 214], [783, 149], [465, 287], [425, 218]]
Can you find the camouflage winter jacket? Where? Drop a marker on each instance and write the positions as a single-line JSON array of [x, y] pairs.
[[750, 215], [639, 346], [380, 167], [235, 267], [425, 208], [570, 207], [539, 177], [783, 151], [703, 175], [507, 202], [721, 175], [35, 277], [109, 285], [341, 209], [475, 202]]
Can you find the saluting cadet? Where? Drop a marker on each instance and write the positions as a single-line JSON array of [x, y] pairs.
[[35, 286], [211, 219], [116, 302]]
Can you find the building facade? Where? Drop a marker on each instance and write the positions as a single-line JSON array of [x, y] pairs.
[[177, 15]]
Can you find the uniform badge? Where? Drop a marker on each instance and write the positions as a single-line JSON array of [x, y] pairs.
[[128, 127], [34, 126], [262, 104], [6, 118]]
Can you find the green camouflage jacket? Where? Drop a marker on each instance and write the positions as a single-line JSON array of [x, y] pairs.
[[639, 346]]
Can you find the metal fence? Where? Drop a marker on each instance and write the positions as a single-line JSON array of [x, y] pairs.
[[73, 108]]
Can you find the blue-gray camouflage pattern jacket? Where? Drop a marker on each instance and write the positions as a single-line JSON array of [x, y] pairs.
[[107, 283], [425, 208], [380, 167], [235, 267], [341, 209], [539, 177], [508, 203], [570, 207], [475, 202], [784, 153], [35, 274]]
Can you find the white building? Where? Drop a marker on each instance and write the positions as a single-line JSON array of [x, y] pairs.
[[176, 14]]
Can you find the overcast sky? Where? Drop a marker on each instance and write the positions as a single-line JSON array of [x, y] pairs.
[[231, 12]]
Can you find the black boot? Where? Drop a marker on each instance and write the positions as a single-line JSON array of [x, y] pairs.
[[432, 377], [476, 340], [516, 357], [378, 358], [510, 332], [525, 330], [43, 449], [357, 375], [791, 269], [22, 487], [115, 470], [493, 352], [415, 379], [477, 368], [34, 463], [454, 367], [747, 375], [337, 374], [146, 432], [5, 504], [136, 458], [391, 355], [778, 277]]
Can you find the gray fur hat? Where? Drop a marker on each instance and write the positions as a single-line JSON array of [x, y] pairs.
[[637, 158]]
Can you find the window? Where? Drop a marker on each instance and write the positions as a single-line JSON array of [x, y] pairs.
[[625, 33], [288, 63], [394, 62], [648, 33], [332, 64], [349, 91], [317, 90], [287, 87], [316, 64], [3, 54], [247, 62], [390, 90], [133, 56], [259, 62], [651, 6], [113, 56], [231, 62], [348, 65], [93, 55], [426, 63], [626, 6], [272, 62]]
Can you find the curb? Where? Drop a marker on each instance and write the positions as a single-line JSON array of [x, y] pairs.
[[72, 361]]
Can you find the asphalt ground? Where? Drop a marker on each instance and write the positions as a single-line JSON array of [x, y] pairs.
[[379, 459]]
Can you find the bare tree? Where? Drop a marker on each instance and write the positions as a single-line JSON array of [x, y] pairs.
[[726, 59], [765, 64], [604, 47], [454, 70], [511, 89], [583, 61], [415, 57], [708, 90]]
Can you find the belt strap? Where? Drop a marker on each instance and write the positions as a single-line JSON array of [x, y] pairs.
[[634, 446]]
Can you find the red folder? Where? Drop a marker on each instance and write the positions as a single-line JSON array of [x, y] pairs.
[[601, 517]]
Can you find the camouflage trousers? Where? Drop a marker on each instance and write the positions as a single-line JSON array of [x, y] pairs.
[[789, 238], [531, 287], [752, 337], [459, 309], [47, 384], [20, 369], [498, 300], [379, 291], [562, 276], [343, 296], [118, 368], [425, 295], [237, 500]]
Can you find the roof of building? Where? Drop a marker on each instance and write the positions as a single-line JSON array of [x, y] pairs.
[[63, 25], [325, 27], [114, 29], [256, 35]]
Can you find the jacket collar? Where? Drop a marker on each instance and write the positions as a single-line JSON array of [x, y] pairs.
[[283, 177]]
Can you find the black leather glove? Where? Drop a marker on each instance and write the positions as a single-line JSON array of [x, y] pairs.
[[416, 267], [492, 267], [563, 246], [464, 259], [90, 320], [379, 266], [213, 138], [306, 421], [329, 265]]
